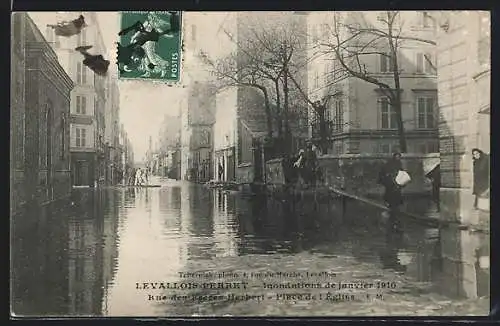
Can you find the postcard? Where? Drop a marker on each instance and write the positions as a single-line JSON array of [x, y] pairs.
[[256, 164]]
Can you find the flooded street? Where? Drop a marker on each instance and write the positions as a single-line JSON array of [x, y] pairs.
[[183, 250]]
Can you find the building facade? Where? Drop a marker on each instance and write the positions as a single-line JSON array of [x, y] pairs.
[[360, 118], [464, 100], [169, 147], [114, 168], [198, 110], [126, 154], [40, 118], [88, 98], [225, 135], [17, 112]]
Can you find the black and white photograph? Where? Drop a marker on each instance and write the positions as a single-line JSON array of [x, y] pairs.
[[251, 163]]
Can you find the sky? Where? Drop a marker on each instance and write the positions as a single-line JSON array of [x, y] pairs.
[[143, 104]]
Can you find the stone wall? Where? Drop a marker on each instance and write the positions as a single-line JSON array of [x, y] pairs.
[[358, 173], [274, 172], [245, 173]]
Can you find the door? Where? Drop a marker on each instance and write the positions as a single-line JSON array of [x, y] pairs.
[[257, 161], [230, 168], [82, 173]]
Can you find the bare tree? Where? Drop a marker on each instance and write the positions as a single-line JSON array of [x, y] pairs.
[[268, 54], [354, 41], [234, 70]]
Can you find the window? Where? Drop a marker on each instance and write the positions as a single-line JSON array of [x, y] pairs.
[[325, 32], [425, 112], [315, 37], [385, 148], [339, 148], [51, 37], [316, 79], [428, 147], [388, 147], [82, 38], [339, 115], [81, 105], [426, 19], [328, 114], [386, 62], [193, 32], [382, 17], [81, 73], [81, 135], [484, 45], [388, 114], [49, 34], [425, 63], [328, 73]]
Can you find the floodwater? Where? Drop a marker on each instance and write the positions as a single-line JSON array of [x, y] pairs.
[[185, 250]]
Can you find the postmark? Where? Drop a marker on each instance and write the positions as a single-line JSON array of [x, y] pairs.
[[150, 46]]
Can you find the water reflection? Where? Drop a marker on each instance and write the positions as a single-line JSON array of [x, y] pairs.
[[87, 261]]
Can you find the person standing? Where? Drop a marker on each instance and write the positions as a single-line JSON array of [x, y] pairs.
[[311, 164], [435, 177], [138, 177], [392, 196], [481, 174]]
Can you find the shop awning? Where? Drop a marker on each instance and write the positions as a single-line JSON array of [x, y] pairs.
[[430, 164]]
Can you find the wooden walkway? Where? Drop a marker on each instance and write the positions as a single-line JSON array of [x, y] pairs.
[[433, 218]]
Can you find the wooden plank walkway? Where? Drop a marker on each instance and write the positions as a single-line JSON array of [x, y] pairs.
[[433, 219]]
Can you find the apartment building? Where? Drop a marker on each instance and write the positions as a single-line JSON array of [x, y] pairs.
[[361, 120], [88, 98]]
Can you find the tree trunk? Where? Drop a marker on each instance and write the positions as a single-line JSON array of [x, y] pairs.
[[323, 130], [267, 108], [279, 120], [285, 111], [396, 100]]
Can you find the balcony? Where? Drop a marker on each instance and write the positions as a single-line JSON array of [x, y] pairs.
[[81, 119]]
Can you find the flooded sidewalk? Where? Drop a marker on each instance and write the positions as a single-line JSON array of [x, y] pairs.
[[184, 250]]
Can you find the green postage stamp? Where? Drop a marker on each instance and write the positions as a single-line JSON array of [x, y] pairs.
[[150, 45]]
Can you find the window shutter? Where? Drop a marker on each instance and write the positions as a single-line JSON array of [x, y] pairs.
[[383, 63], [84, 105], [420, 62], [430, 112]]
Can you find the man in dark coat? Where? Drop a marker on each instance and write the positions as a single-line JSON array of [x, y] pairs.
[[392, 196], [435, 176], [481, 170]]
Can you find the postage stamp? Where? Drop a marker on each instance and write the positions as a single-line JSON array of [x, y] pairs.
[[150, 45]]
